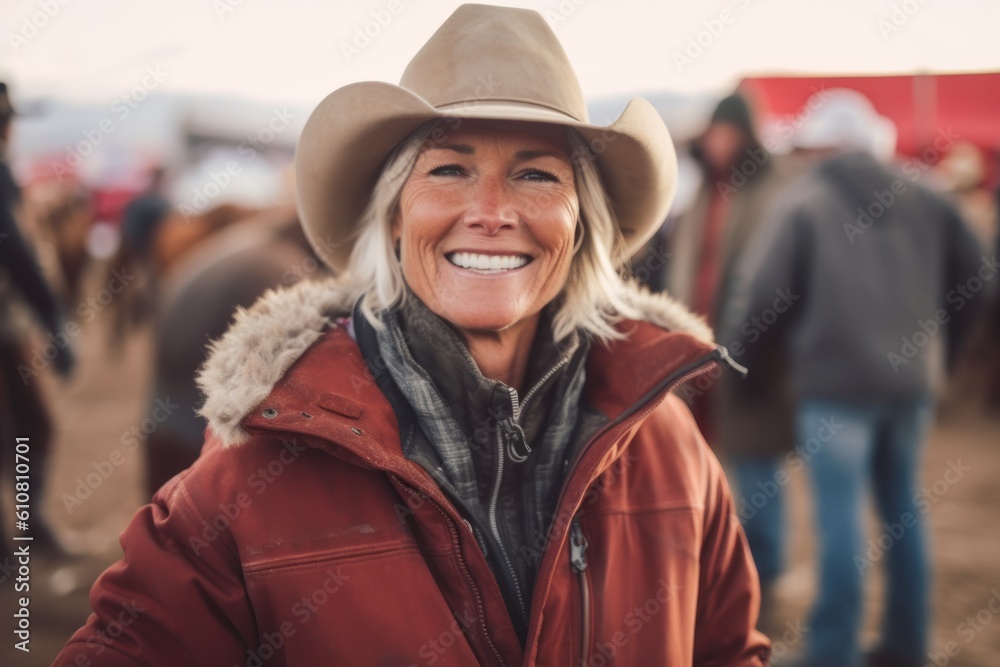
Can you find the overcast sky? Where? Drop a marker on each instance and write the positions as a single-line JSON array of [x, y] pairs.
[[297, 51]]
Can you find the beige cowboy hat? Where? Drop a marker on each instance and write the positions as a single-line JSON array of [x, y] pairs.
[[484, 62]]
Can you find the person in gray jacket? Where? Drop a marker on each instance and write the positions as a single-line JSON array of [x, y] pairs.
[[872, 279]]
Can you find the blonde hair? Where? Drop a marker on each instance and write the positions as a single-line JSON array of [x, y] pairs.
[[591, 301]]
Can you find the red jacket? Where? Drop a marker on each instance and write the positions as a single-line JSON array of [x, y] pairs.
[[303, 536]]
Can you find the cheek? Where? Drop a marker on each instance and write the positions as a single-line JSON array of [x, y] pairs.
[[421, 220], [558, 226]]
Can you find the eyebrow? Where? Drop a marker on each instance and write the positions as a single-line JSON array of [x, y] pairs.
[[532, 154], [464, 149], [527, 154]]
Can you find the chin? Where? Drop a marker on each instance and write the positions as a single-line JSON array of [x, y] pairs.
[[481, 319]]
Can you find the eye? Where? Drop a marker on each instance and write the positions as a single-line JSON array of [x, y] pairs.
[[539, 175], [448, 170]]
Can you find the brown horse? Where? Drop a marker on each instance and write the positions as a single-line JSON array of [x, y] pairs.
[[175, 237], [61, 216], [230, 269]]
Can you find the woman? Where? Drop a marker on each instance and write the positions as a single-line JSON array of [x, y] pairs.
[[463, 450]]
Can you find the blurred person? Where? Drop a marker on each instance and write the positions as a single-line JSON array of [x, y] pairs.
[[962, 174], [143, 215], [24, 290], [976, 382], [433, 443], [739, 180], [141, 222], [750, 421], [879, 263]]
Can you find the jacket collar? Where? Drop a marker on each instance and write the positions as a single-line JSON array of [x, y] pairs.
[[248, 369]]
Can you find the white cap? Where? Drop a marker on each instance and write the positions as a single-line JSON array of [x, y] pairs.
[[846, 119]]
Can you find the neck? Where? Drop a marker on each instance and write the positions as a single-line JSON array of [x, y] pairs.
[[503, 355]]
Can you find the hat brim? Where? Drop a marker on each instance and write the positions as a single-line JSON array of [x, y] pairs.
[[346, 139]]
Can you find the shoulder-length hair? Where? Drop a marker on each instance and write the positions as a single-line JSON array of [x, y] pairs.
[[591, 300]]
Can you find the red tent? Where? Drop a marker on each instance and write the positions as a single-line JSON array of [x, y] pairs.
[[921, 105]]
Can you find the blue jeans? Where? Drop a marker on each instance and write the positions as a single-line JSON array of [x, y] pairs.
[[760, 504], [849, 448]]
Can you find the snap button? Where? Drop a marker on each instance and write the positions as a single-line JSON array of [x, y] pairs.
[[270, 413], [356, 430]]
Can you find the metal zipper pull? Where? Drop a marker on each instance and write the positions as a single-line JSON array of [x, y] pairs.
[[577, 546], [517, 444], [721, 354]]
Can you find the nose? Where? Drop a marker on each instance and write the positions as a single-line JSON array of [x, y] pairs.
[[491, 206]]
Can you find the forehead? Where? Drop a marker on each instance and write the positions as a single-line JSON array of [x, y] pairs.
[[517, 136]]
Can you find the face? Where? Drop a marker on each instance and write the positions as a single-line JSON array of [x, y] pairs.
[[486, 223], [721, 145]]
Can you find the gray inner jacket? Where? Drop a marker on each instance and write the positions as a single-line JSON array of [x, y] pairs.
[[500, 456]]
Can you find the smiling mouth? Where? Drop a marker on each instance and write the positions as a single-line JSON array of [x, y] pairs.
[[487, 263]]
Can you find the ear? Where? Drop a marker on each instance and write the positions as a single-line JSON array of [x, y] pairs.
[[396, 228], [396, 233]]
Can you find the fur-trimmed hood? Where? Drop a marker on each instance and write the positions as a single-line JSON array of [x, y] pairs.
[[246, 363]]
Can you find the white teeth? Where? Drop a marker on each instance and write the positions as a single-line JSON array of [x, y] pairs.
[[487, 263]]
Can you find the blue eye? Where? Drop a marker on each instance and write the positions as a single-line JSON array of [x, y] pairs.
[[540, 175], [448, 170]]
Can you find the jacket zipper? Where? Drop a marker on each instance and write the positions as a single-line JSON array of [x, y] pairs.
[[578, 561], [457, 546], [625, 420], [697, 367], [495, 527], [512, 427], [510, 431]]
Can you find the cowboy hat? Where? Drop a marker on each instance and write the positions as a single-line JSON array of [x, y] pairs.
[[484, 62]]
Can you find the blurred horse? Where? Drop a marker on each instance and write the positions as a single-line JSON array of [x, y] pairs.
[[62, 216], [171, 241], [230, 269]]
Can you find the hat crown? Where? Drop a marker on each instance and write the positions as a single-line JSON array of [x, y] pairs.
[[488, 54]]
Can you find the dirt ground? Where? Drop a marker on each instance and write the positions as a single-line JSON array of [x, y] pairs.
[[107, 396]]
